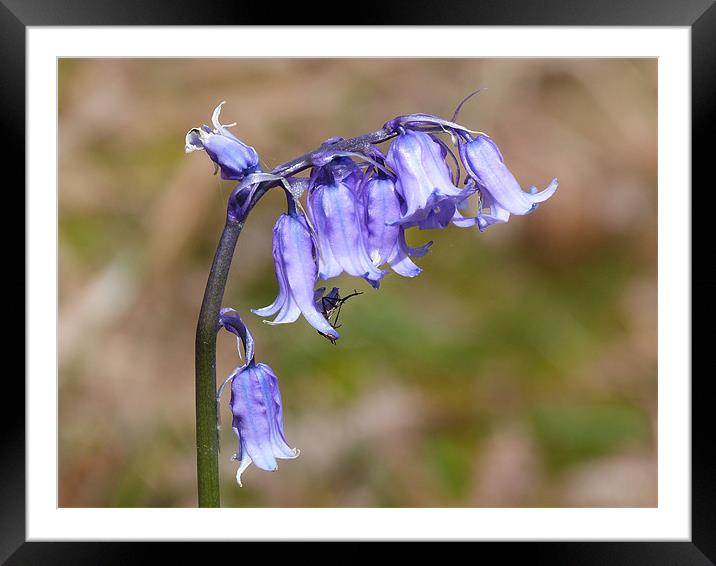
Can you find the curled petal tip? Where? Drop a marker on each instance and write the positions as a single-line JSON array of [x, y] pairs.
[[541, 196], [243, 464], [215, 117], [238, 476]]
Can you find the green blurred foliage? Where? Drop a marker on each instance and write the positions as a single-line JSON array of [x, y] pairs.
[[574, 433]]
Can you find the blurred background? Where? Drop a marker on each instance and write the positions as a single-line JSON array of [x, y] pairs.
[[518, 370]]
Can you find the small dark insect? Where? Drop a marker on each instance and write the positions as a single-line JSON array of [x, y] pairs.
[[331, 306]]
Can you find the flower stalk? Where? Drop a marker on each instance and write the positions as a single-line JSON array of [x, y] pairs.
[[355, 221], [207, 438]]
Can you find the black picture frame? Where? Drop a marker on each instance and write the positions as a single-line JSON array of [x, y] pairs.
[[699, 15]]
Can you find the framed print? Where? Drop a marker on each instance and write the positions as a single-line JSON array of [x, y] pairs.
[[474, 241]]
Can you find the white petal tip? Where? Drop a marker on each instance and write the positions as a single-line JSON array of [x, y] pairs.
[[295, 453], [541, 196], [242, 467], [190, 147], [215, 117], [194, 140]]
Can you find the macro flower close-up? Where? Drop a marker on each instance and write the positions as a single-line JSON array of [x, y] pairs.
[[448, 266], [360, 201]]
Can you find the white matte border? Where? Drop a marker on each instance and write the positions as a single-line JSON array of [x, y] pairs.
[[669, 521]]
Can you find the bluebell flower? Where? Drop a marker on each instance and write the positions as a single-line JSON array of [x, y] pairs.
[[385, 237], [234, 158], [336, 214], [256, 406], [341, 168], [501, 192], [487, 214], [447, 213], [424, 179], [295, 254], [490, 212]]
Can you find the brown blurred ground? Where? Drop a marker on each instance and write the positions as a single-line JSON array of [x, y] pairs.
[[518, 370]]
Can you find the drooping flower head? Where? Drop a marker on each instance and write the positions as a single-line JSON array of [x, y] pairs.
[[424, 179], [336, 214], [295, 257], [385, 236], [359, 202], [256, 406], [234, 158], [502, 193]]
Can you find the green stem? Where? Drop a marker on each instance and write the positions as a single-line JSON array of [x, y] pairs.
[[207, 438]]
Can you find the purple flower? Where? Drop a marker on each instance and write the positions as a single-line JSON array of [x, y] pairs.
[[294, 255], [385, 238], [231, 155], [340, 168], [424, 179], [337, 217], [258, 418], [502, 193], [446, 213], [256, 406], [488, 214]]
